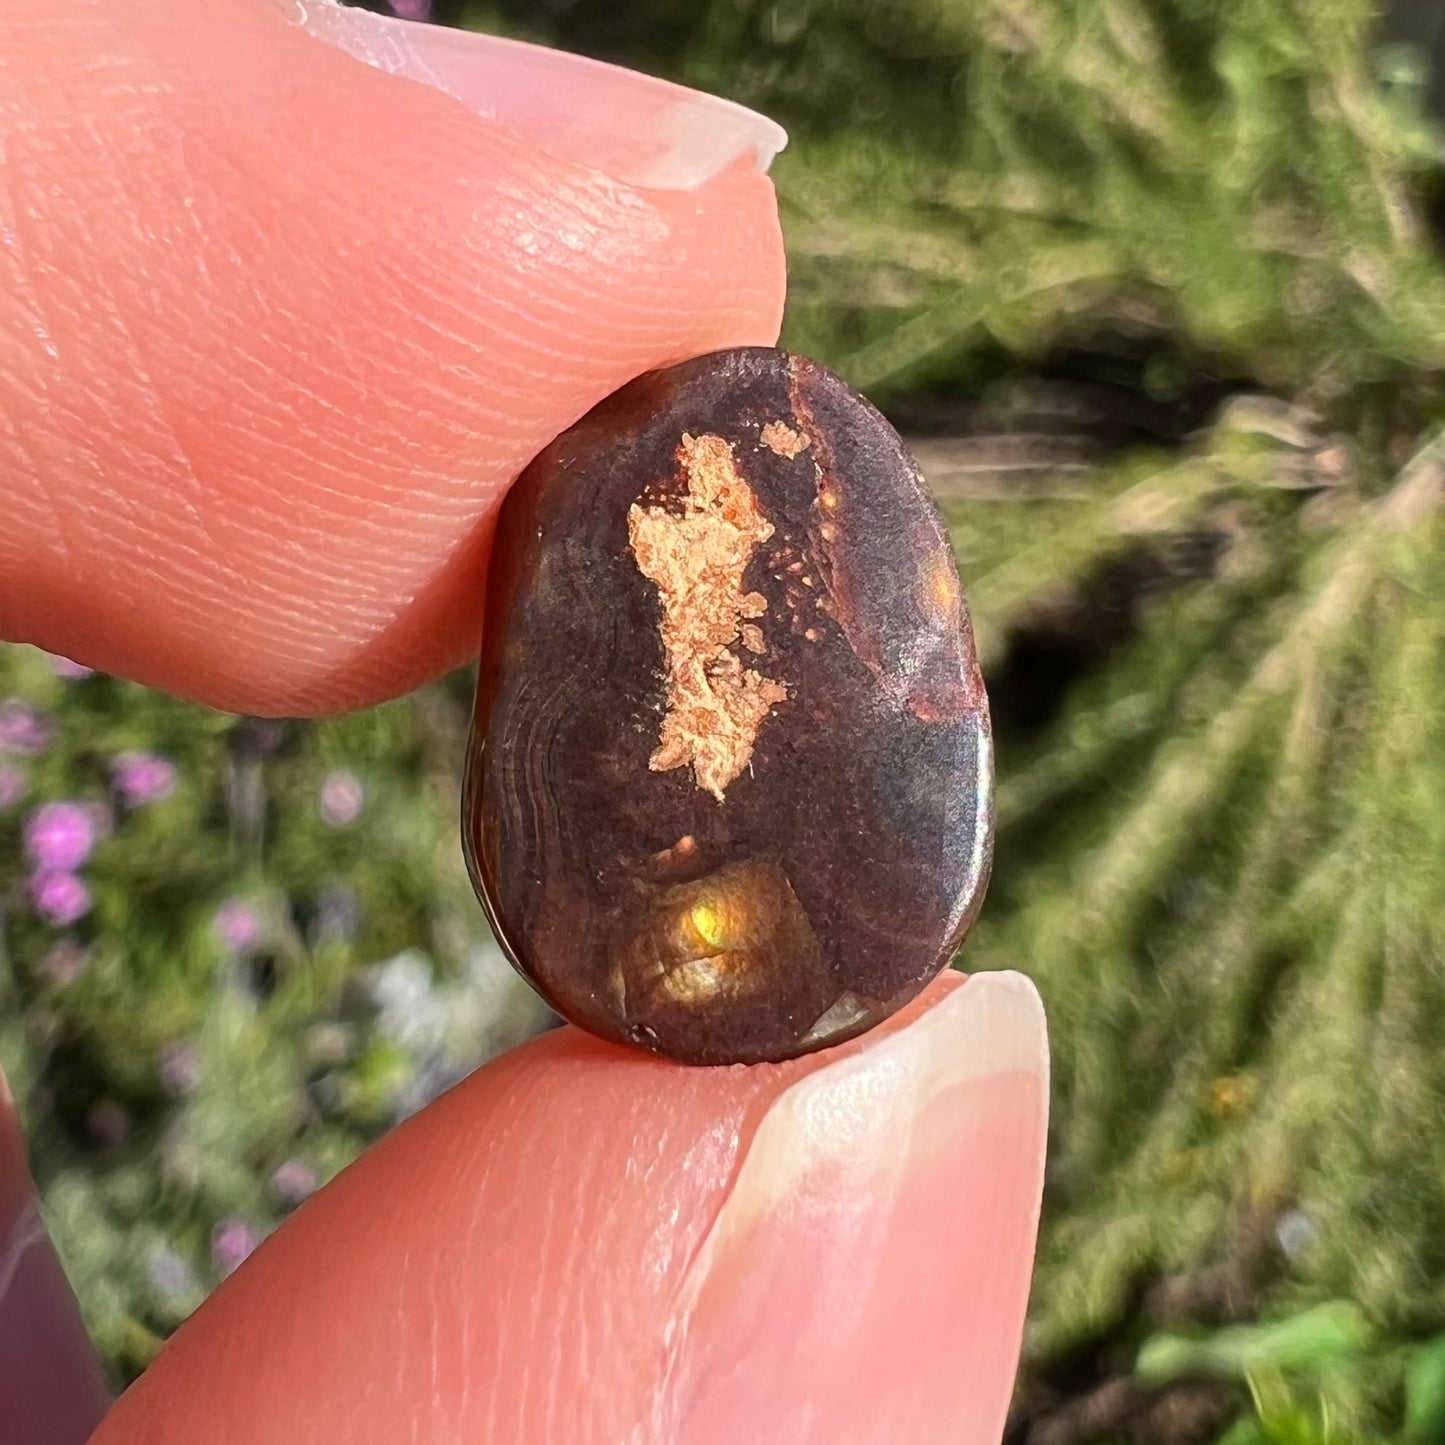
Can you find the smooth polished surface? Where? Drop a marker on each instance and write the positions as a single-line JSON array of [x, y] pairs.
[[728, 792]]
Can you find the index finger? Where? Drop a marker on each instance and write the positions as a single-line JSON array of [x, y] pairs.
[[277, 329]]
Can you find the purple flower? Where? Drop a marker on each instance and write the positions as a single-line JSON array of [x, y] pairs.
[[64, 962], [412, 9], [293, 1182], [13, 783], [257, 738], [170, 1273], [1296, 1232], [59, 836], [238, 925], [338, 913], [180, 1070], [59, 897], [142, 778], [102, 821], [341, 798], [24, 731], [70, 671], [109, 1124], [232, 1240]]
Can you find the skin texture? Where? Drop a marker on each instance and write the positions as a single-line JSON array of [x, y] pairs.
[[262, 383], [584, 1244]]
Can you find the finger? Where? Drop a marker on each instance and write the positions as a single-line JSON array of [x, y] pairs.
[[277, 327], [51, 1391], [588, 1245]]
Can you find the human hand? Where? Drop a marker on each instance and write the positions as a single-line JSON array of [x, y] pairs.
[[276, 330]]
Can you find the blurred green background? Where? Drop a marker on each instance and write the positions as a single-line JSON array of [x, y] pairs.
[[1157, 289]]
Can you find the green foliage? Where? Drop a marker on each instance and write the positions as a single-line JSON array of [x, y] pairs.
[[263, 983], [1219, 845], [1213, 864], [1313, 1340], [1219, 836], [1425, 1393], [993, 178], [1305, 1375], [1282, 1419]]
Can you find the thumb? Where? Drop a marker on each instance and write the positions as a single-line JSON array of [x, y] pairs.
[[583, 1244], [278, 326]]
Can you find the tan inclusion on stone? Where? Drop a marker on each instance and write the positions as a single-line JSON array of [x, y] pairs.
[[779, 437], [697, 559]]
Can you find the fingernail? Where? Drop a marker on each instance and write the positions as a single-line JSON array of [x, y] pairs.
[[867, 1277], [636, 128], [51, 1390]]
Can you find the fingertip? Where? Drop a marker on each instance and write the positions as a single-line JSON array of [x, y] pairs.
[[638, 129], [253, 459], [867, 1276], [584, 1243]]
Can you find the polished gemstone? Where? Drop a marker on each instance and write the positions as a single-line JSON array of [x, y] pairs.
[[728, 787]]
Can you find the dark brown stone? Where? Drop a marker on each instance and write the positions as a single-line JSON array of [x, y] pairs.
[[729, 787]]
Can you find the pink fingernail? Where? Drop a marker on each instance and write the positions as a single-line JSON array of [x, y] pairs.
[[867, 1277], [636, 128]]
